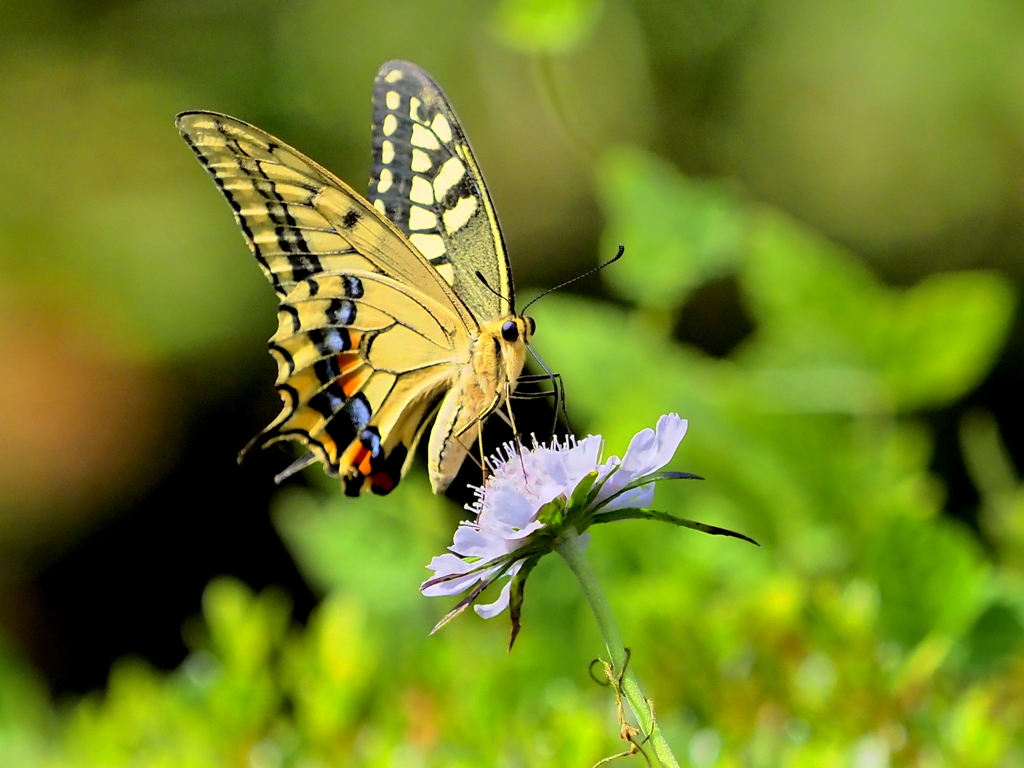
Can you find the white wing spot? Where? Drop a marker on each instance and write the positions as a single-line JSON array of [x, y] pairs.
[[261, 210], [393, 99], [379, 205], [441, 127], [456, 218], [414, 110], [420, 161], [421, 191], [447, 272], [451, 173], [393, 76], [385, 181], [421, 137], [387, 152], [421, 218], [390, 124], [430, 246]]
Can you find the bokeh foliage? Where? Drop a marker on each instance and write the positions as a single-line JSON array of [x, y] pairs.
[[868, 630], [871, 629]]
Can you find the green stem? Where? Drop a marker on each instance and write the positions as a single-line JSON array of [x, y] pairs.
[[568, 546]]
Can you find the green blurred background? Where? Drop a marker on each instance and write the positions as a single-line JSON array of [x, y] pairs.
[[821, 204]]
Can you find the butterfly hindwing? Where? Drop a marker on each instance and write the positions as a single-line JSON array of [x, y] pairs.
[[427, 181], [356, 380], [368, 332]]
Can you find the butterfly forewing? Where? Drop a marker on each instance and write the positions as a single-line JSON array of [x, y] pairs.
[[369, 334], [426, 180]]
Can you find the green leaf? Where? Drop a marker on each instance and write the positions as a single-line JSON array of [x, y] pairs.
[[995, 636], [552, 514], [942, 336], [375, 547], [835, 339], [580, 499], [244, 628], [930, 578], [664, 517], [518, 591], [653, 477], [678, 232], [810, 298]]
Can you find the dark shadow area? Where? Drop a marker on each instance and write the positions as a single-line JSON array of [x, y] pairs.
[[714, 318], [130, 584], [1000, 394]]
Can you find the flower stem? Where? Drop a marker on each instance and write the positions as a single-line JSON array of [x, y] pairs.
[[568, 546]]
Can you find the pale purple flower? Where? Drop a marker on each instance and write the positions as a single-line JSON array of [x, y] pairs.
[[533, 494]]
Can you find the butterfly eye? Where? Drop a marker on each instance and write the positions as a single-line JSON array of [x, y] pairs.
[[510, 331]]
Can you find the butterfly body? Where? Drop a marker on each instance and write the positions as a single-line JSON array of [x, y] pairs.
[[483, 383], [392, 309]]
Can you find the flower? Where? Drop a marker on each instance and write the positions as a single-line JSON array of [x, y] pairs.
[[532, 495]]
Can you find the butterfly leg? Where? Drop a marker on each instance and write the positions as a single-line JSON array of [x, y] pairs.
[[480, 442], [558, 391]]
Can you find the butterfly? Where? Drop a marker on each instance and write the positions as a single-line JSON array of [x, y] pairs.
[[392, 309]]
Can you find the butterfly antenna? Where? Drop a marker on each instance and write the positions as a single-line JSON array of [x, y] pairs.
[[612, 260]]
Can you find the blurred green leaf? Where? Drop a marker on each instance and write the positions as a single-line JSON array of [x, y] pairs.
[[25, 717], [810, 299], [823, 318], [678, 232], [375, 546], [994, 637], [545, 26], [942, 336], [931, 579]]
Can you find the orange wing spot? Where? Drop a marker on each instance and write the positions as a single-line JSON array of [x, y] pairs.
[[348, 362], [352, 455], [352, 382], [366, 465]]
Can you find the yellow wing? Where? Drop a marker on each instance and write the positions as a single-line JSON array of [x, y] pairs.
[[369, 334], [427, 181]]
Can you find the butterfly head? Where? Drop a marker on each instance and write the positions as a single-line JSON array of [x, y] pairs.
[[502, 344], [518, 329]]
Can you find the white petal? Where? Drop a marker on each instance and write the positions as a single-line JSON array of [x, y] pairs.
[[581, 459], [649, 451], [641, 448], [521, 534], [490, 610], [453, 587], [471, 541], [507, 507], [445, 565], [671, 430]]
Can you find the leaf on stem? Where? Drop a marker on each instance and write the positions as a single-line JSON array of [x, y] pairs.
[[665, 517]]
